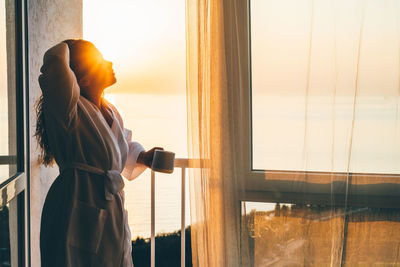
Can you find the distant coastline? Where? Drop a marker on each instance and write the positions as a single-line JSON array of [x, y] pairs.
[[168, 250]]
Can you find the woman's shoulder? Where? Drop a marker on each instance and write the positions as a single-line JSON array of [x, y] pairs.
[[114, 110]]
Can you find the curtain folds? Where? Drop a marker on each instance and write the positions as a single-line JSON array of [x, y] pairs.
[[325, 98], [214, 80]]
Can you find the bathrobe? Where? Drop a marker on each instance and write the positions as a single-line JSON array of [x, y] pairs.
[[84, 222]]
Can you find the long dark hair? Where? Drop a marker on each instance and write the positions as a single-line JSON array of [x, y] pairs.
[[46, 157]]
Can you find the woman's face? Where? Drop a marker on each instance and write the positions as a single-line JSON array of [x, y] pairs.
[[96, 72]]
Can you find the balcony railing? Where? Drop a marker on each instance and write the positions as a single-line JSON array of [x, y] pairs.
[[183, 164]]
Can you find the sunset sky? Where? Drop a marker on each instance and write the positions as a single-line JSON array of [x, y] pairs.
[[144, 39], [146, 42], [283, 30]]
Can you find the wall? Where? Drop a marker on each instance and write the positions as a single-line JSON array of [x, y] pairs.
[[49, 22]]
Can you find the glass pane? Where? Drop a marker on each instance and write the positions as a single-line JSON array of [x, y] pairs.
[[314, 235], [8, 142], [325, 85]]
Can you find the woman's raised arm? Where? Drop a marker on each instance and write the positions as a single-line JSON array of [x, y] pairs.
[[58, 82]]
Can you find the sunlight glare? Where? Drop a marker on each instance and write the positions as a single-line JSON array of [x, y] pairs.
[[110, 98], [142, 40]]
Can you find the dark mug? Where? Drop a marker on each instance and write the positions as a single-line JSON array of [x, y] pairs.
[[163, 161]]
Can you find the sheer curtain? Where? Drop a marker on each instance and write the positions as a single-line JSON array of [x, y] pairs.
[[214, 80], [325, 100], [325, 81]]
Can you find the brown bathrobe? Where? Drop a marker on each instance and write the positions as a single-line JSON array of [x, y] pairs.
[[84, 222]]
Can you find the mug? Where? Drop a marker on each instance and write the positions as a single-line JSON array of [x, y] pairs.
[[163, 161]]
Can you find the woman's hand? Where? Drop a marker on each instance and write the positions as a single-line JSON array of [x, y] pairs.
[[146, 157]]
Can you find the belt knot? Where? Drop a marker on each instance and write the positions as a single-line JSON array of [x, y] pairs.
[[113, 182]]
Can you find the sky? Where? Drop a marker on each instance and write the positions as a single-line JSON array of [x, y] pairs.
[[282, 32], [146, 42], [144, 39]]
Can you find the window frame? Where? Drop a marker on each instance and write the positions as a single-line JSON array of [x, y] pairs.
[[15, 189], [306, 187], [15, 183]]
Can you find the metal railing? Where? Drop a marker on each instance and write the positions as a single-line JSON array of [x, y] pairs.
[[183, 164]]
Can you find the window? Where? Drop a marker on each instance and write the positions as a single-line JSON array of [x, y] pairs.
[[324, 102], [8, 143], [13, 144]]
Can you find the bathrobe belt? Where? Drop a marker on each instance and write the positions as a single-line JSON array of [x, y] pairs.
[[113, 182]]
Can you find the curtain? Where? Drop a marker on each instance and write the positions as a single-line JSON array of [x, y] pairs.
[[214, 80], [325, 79]]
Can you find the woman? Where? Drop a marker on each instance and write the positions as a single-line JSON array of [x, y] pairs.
[[84, 222]]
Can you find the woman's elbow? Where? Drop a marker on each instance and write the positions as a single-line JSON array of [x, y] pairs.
[[132, 174]]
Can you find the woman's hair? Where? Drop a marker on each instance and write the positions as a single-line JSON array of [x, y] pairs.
[[45, 157], [76, 48]]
